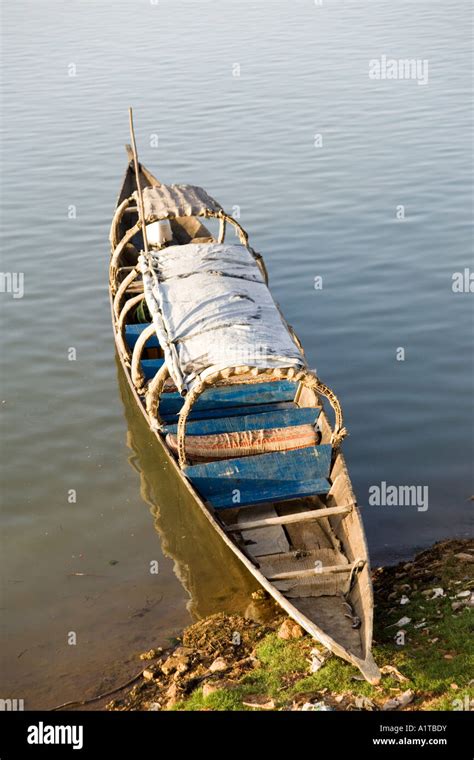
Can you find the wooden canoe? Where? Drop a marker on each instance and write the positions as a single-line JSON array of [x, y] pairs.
[[302, 542]]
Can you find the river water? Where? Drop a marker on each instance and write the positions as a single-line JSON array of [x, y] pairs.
[[362, 182]]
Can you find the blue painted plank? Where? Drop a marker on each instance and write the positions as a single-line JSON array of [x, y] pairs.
[[233, 395], [205, 414], [267, 492], [280, 418], [132, 333], [150, 367], [267, 477]]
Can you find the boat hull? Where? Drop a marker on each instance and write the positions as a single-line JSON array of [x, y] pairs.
[[346, 529]]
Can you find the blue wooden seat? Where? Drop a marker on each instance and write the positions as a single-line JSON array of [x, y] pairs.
[[208, 414], [150, 367], [228, 396], [265, 420], [133, 332], [278, 476]]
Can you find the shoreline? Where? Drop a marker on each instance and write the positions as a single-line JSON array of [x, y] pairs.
[[264, 661]]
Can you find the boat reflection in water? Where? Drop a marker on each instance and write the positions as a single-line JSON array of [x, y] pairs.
[[214, 578]]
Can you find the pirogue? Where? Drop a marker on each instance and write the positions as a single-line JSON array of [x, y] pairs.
[[222, 380]]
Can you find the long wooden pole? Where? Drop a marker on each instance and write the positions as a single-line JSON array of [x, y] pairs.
[[141, 209]]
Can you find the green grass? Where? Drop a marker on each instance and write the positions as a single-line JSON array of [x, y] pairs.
[[222, 700], [436, 659], [284, 674], [280, 661], [424, 662], [462, 699]]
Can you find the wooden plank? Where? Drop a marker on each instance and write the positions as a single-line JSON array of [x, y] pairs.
[[313, 584], [264, 420], [309, 535], [225, 396], [273, 540], [314, 514], [204, 414], [132, 333], [313, 461], [305, 567], [267, 477], [301, 560], [312, 571], [341, 490], [251, 495]]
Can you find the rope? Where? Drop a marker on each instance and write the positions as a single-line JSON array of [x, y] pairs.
[[155, 389], [318, 386], [305, 377], [121, 291], [138, 377]]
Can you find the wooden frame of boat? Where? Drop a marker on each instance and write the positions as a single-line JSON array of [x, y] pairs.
[[288, 546]]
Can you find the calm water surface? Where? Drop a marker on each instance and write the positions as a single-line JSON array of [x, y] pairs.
[[331, 211]]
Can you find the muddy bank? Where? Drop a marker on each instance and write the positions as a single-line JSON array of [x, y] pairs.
[[264, 661]]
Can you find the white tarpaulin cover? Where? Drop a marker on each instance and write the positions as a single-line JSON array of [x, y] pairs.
[[212, 310]]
